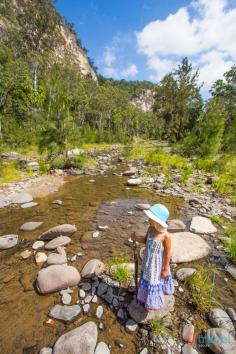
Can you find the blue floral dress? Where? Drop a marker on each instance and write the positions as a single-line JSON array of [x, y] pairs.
[[152, 287]]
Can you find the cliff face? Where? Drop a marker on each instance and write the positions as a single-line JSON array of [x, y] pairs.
[[145, 101], [39, 28]]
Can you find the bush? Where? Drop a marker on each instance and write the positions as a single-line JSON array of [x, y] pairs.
[[63, 162]]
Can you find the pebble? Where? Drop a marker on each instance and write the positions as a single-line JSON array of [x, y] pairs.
[[79, 254], [102, 288], [188, 333], [86, 308], [86, 286], [66, 291], [94, 299], [120, 344], [131, 326], [66, 299], [40, 257], [29, 205], [101, 326], [82, 293], [73, 258], [99, 312], [181, 290], [88, 299], [121, 314], [115, 302], [30, 226], [58, 202], [103, 228], [46, 350], [8, 241], [96, 234], [37, 244], [26, 254]]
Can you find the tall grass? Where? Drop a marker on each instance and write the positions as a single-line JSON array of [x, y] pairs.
[[10, 172], [231, 245]]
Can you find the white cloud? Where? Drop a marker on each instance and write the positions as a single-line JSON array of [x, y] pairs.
[[109, 56], [130, 71], [206, 35]]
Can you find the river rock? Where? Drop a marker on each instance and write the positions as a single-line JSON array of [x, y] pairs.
[[21, 198], [202, 225], [46, 350], [102, 288], [40, 257], [131, 325], [140, 315], [183, 273], [232, 314], [55, 258], [188, 349], [99, 312], [8, 241], [187, 247], [94, 267], [65, 313], [143, 206], [232, 271], [57, 277], [219, 318], [37, 244], [134, 182], [102, 348], [56, 242], [4, 201], [132, 171], [86, 308], [60, 230], [81, 340], [29, 205], [58, 202], [220, 341], [176, 225], [188, 332], [66, 299], [30, 226]]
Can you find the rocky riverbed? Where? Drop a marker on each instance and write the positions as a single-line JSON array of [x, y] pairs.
[[54, 277]]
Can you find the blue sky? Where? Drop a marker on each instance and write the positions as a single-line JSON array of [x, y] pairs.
[[145, 39]]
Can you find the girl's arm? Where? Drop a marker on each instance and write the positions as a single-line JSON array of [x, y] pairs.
[[140, 239], [167, 255]]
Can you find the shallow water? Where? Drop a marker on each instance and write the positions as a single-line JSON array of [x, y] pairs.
[[87, 205]]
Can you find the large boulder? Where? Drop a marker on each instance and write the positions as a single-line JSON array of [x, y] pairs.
[[94, 267], [56, 242], [140, 315], [187, 247], [220, 341], [81, 340], [65, 313], [8, 241], [60, 230], [21, 198], [176, 225], [30, 226], [202, 225], [56, 277], [219, 318]]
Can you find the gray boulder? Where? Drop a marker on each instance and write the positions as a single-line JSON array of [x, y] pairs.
[[220, 341], [56, 277], [140, 315], [8, 241], [55, 258], [21, 198], [30, 226], [202, 225], [219, 318], [93, 268], [56, 242], [60, 230], [65, 313], [81, 340], [176, 225]]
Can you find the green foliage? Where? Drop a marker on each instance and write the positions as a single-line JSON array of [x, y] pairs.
[[217, 219], [185, 175], [161, 158], [231, 245], [9, 172], [63, 162], [157, 326]]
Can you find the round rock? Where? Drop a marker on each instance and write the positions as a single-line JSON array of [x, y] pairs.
[[56, 242], [40, 257], [60, 230], [55, 258], [134, 182], [93, 268], [46, 350], [37, 244], [202, 225], [65, 313], [57, 277], [8, 241], [131, 326], [30, 226]]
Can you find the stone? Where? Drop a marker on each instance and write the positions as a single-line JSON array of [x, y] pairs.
[[183, 273], [8, 241], [188, 349], [140, 315], [66, 291], [88, 299], [96, 234], [86, 308], [94, 299], [176, 225], [21, 198], [65, 313], [232, 314], [108, 297], [26, 254], [134, 182], [66, 299], [132, 171], [144, 351], [232, 271], [56, 277], [94, 267], [103, 228], [115, 302], [99, 312], [188, 333], [40, 257], [61, 250], [121, 314], [143, 206], [102, 348], [102, 289], [55, 258], [219, 318], [46, 350], [58, 202], [30, 226], [220, 341], [58, 241], [120, 344], [60, 230], [29, 205], [37, 244], [82, 293], [86, 286], [81, 340], [202, 225], [131, 326], [187, 247]]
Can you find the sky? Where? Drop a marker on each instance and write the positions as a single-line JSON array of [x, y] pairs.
[[146, 39]]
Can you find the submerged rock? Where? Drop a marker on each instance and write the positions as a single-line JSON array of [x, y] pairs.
[[94, 267], [202, 225], [81, 340], [8, 241], [65, 313], [56, 242], [26, 254], [40, 257], [21, 198], [57, 277], [140, 315], [60, 230], [30, 226]]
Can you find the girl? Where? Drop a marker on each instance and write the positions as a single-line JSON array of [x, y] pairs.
[[156, 279]]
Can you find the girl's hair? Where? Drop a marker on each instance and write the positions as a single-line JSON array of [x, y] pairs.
[[159, 227]]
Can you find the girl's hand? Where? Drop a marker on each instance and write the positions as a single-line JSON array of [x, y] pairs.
[[133, 236], [164, 273]]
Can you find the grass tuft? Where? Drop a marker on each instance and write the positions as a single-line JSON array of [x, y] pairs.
[[157, 326]]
